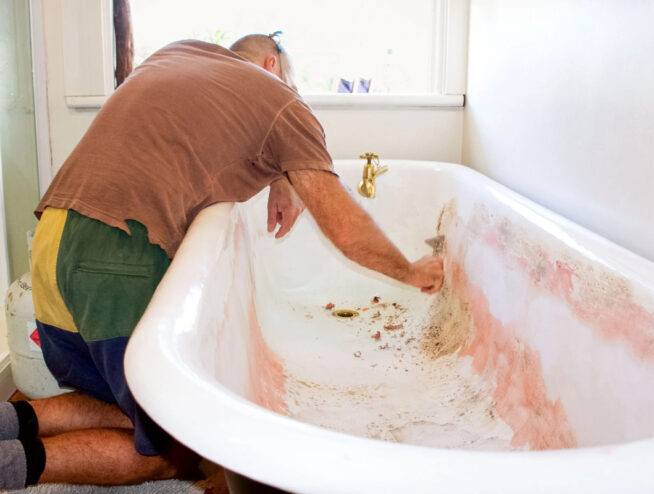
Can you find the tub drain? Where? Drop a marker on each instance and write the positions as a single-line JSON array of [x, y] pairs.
[[345, 314]]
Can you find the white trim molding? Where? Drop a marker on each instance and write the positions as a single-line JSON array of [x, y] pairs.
[[455, 49], [88, 48], [330, 100], [40, 81], [4, 254], [86, 102], [451, 19], [386, 101]]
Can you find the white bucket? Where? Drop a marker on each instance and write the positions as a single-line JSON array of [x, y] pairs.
[[30, 374]]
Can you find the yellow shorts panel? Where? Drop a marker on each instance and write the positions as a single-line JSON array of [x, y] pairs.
[[49, 305]]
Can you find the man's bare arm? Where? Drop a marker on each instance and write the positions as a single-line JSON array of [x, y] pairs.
[[354, 232]]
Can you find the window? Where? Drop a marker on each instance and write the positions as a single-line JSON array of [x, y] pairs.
[[405, 54], [382, 46]]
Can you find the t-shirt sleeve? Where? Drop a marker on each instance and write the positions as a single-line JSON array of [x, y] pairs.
[[297, 140]]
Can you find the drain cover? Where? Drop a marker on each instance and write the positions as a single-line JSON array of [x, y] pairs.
[[345, 313]]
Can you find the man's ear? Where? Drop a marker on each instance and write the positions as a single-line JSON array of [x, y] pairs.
[[270, 64]]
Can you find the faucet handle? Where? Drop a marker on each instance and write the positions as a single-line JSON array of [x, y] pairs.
[[370, 157], [380, 170]]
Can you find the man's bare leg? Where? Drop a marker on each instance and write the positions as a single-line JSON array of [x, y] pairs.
[[89, 441], [108, 457], [77, 411]]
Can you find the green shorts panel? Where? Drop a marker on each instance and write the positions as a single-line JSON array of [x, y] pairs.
[[107, 276]]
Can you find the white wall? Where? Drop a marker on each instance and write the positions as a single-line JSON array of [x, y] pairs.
[[430, 134], [560, 107]]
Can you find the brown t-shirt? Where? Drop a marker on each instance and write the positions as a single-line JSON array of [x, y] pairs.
[[195, 124]]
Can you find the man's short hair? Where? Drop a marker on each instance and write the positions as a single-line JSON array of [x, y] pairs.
[[256, 47]]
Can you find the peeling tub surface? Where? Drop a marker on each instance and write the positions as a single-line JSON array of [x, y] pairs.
[[542, 338]]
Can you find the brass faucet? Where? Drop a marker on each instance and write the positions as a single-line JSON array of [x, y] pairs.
[[370, 172]]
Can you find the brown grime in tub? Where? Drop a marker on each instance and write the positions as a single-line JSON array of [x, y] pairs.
[[448, 326], [445, 329]]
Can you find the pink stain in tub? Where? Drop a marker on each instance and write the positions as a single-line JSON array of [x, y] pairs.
[[267, 379], [520, 394], [612, 311], [596, 296]]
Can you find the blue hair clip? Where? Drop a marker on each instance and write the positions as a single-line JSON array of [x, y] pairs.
[[274, 37]]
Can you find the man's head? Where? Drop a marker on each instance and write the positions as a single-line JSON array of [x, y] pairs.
[[266, 52]]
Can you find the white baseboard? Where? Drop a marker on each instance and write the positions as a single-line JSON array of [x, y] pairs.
[[7, 387]]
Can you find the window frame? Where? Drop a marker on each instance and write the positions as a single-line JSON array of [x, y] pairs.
[[91, 22]]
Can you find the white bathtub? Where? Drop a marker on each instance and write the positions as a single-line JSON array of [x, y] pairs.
[[531, 371]]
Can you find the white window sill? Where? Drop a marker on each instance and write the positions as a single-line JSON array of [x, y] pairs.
[[326, 101], [385, 101], [86, 102]]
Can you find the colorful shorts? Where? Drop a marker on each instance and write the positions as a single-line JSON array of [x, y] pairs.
[[91, 283]]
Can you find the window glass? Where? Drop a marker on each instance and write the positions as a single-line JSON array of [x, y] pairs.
[[381, 46]]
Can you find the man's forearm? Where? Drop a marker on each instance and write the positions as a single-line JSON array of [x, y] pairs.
[[348, 226], [361, 240]]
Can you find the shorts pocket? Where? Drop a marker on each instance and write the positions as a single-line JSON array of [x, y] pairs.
[[118, 269], [107, 299]]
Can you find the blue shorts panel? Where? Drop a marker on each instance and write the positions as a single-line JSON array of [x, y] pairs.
[[96, 369]]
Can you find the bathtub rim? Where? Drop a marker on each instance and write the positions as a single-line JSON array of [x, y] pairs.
[[153, 347]]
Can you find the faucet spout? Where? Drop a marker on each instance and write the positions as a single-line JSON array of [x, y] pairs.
[[370, 172]]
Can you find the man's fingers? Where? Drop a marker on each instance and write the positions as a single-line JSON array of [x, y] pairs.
[[272, 217], [433, 288], [287, 221], [281, 232], [284, 206], [285, 227]]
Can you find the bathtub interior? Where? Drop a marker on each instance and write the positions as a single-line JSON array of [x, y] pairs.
[[534, 342]]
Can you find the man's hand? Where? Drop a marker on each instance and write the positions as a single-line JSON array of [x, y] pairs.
[[427, 274], [284, 206]]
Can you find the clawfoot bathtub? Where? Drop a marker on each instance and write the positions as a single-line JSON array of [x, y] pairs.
[[531, 371]]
